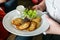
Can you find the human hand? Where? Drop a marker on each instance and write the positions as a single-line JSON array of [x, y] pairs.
[[41, 6], [38, 7], [54, 26], [2, 1]]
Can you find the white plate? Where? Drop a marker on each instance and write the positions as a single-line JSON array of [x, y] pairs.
[[9, 27]]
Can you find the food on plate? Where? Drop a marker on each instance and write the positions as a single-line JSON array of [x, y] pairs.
[[27, 24], [37, 20], [32, 26], [26, 19], [30, 13], [17, 21], [30, 22], [24, 26]]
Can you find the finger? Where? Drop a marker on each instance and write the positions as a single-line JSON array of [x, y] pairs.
[[34, 7]]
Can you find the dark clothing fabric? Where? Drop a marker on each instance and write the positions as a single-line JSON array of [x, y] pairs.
[[23, 38], [51, 37], [45, 37], [10, 5]]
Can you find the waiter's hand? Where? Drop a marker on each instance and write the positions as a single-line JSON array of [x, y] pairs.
[[2, 1], [54, 26], [38, 7], [41, 6]]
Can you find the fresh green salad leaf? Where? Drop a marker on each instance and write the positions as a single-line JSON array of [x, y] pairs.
[[30, 13]]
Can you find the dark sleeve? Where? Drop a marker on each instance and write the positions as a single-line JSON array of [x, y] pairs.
[[10, 5]]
